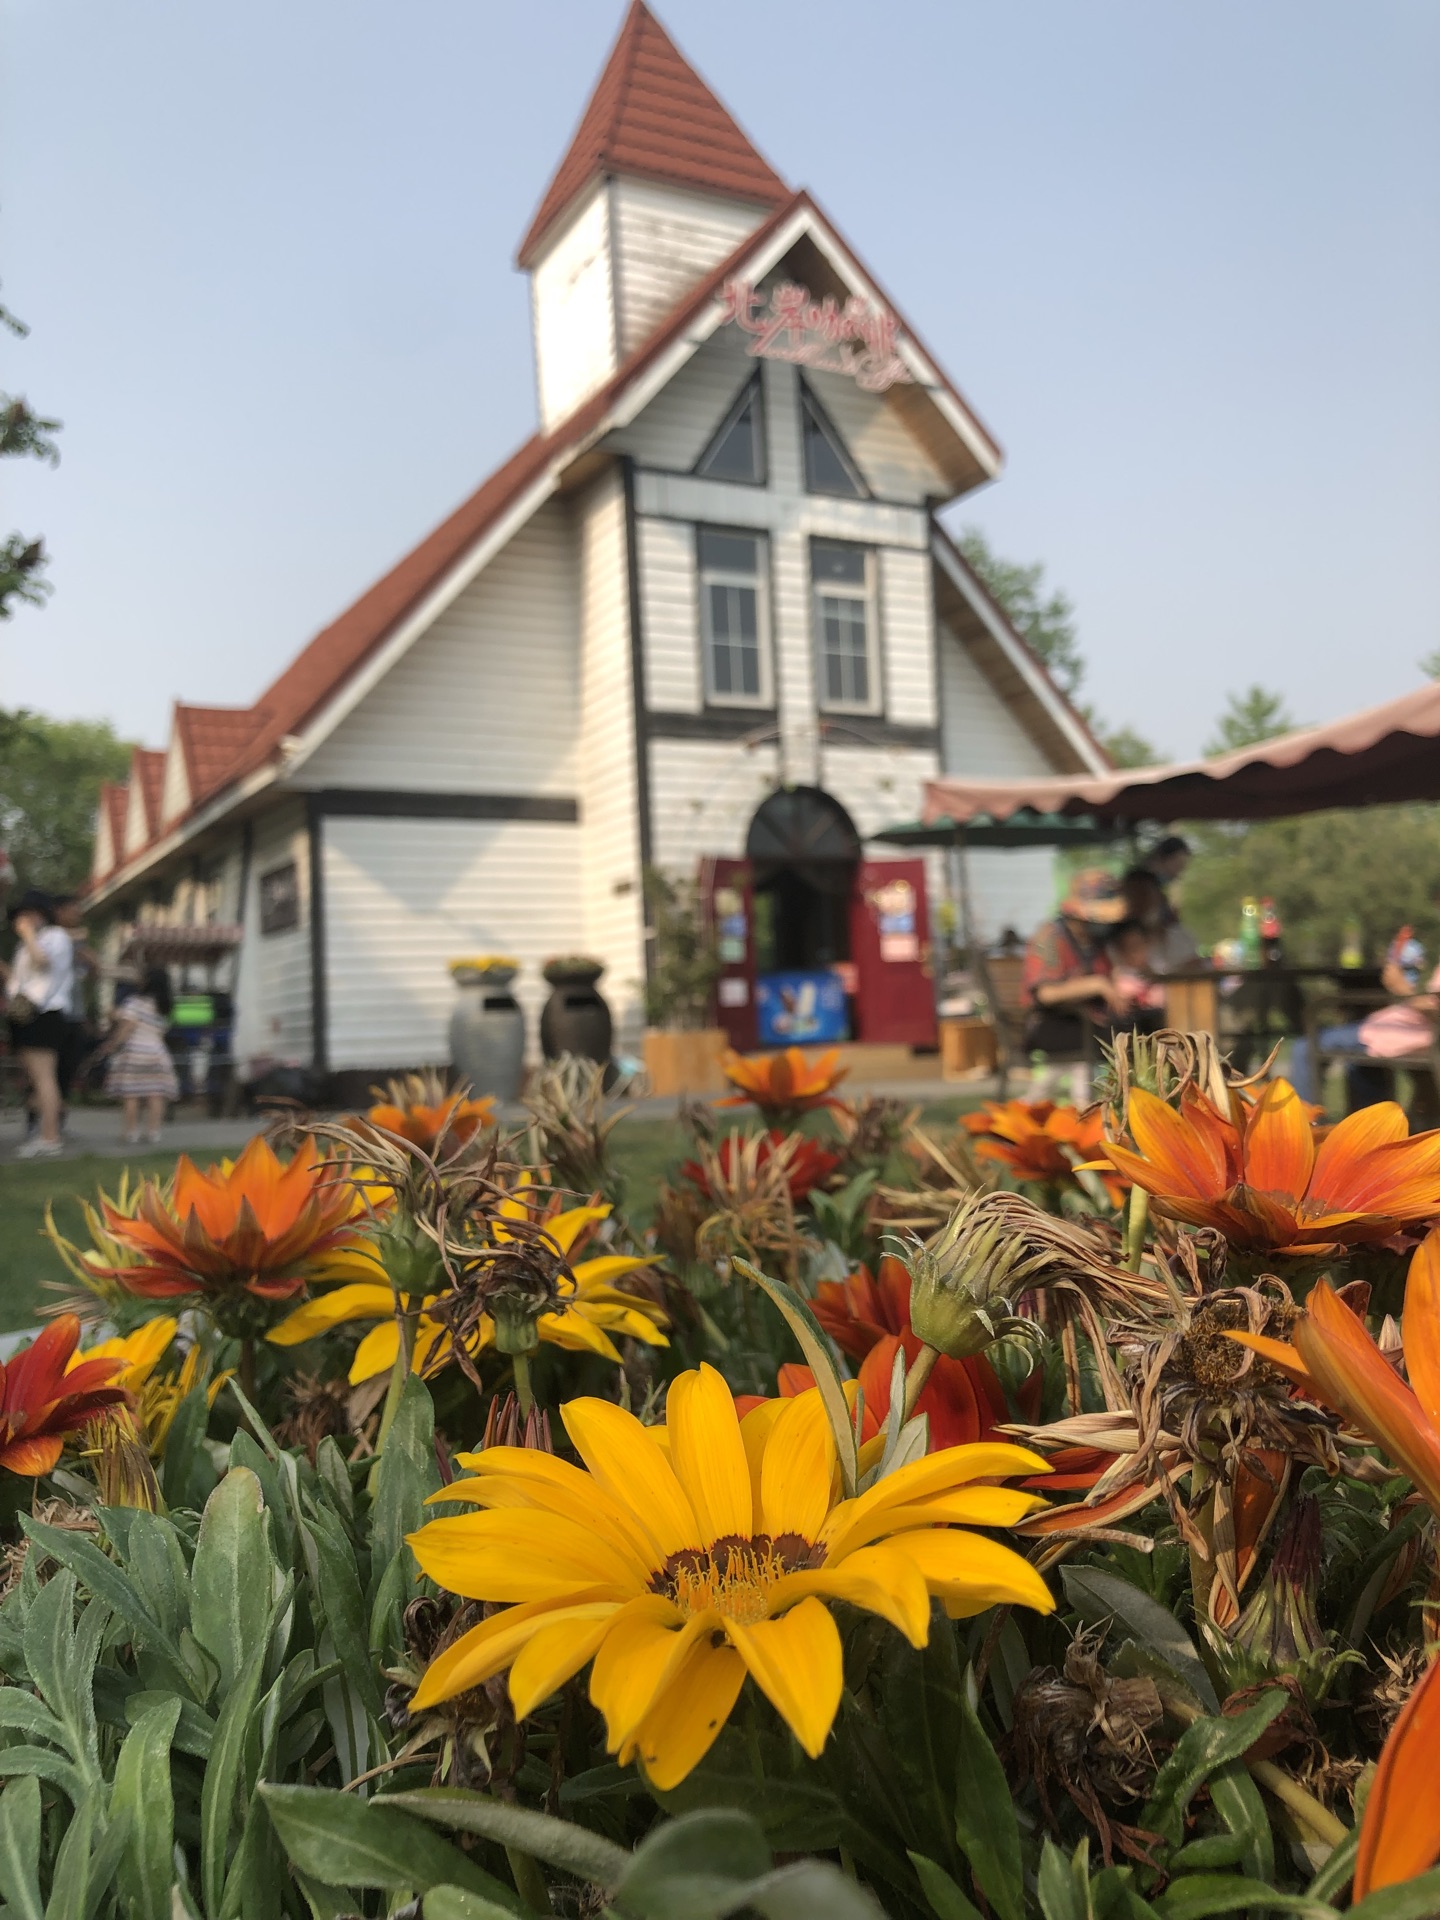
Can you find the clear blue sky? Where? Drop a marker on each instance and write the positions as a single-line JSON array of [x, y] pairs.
[[1184, 260]]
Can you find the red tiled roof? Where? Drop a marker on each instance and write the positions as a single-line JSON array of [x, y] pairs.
[[147, 764], [212, 740], [652, 115]]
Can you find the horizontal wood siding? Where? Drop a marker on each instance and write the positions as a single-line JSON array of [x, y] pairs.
[[404, 897], [905, 624], [704, 794], [679, 423], [485, 701], [891, 461], [664, 242], [272, 987], [877, 786], [685, 496], [978, 732], [607, 902], [668, 591], [571, 298]]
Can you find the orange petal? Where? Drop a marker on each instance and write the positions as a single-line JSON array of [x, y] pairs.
[[1400, 1833], [1348, 1144], [1422, 1324], [1352, 1374], [1278, 1353], [31, 1457], [1279, 1142], [1183, 1157], [1080, 1516]]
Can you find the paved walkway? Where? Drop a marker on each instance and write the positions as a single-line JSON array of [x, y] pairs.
[[96, 1130]]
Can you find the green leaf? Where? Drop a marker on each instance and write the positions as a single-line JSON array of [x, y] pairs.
[[231, 1578], [946, 1900], [1098, 1596], [406, 1475], [1237, 1801], [1200, 1895], [1063, 1883], [155, 1563], [392, 1591], [805, 1890], [1417, 1899], [222, 1777], [560, 1843], [20, 1849], [453, 1903], [76, 1862], [101, 1577], [1200, 1750], [21, 1712], [187, 1474], [820, 1359], [194, 1730], [689, 1869], [43, 1763], [985, 1825], [345, 1842], [144, 1799], [335, 1476], [343, 1606]]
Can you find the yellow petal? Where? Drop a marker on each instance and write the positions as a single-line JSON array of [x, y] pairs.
[[363, 1302], [514, 1554], [708, 1454], [572, 1495], [882, 1582], [648, 1641], [489, 1648], [755, 1434], [555, 1653], [565, 1228], [970, 1573], [853, 1521], [375, 1353], [796, 1472], [609, 1266], [681, 1727], [796, 1662], [965, 1507], [576, 1334], [628, 1465]]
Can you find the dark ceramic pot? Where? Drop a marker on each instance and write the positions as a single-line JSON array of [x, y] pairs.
[[575, 1019]]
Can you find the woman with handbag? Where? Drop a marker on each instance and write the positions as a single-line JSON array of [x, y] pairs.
[[39, 984]]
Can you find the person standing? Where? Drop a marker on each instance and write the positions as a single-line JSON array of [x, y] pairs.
[[77, 1028], [140, 1064], [39, 982]]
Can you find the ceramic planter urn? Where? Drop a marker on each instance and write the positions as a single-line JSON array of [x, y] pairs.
[[487, 1033]]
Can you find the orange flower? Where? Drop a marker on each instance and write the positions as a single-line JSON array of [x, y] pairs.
[[869, 1319], [783, 1083], [1400, 1832], [251, 1225], [40, 1402], [423, 1111], [1038, 1140], [1334, 1360], [1258, 1175]]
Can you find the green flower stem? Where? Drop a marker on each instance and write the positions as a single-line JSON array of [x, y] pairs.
[[529, 1880], [399, 1373], [1137, 1216], [917, 1376], [524, 1393], [1288, 1791]]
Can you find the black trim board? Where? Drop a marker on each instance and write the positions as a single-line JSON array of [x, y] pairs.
[[383, 803], [637, 702], [319, 1002], [870, 730], [715, 723]]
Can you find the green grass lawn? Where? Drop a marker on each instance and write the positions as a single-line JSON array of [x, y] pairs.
[[643, 1148]]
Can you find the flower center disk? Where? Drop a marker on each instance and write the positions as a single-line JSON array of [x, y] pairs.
[[735, 1576]]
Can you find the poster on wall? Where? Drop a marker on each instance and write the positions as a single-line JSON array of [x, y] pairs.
[[800, 1009], [896, 913]]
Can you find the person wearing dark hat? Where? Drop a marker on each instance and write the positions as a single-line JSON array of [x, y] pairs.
[[1067, 982], [39, 1001]]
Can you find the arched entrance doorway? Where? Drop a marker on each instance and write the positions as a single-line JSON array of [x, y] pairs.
[[804, 853]]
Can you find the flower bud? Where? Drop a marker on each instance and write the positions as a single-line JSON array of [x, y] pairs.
[[963, 1281]]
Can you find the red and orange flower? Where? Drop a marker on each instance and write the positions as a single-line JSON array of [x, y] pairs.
[[40, 1402], [807, 1164], [253, 1226], [783, 1084], [424, 1112], [1264, 1176], [868, 1318], [1037, 1140]]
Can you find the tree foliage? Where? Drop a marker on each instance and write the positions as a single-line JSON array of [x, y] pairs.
[[1259, 713], [50, 776], [22, 432]]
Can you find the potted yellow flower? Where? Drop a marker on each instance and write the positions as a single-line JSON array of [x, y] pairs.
[[487, 1028]]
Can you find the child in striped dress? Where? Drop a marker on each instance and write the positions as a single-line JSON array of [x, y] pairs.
[[140, 1064]]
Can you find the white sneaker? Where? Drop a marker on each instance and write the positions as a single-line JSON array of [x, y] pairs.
[[153, 1138], [36, 1148]]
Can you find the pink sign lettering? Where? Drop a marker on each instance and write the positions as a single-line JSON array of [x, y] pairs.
[[857, 339]]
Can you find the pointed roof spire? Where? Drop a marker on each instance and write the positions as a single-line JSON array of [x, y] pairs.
[[652, 115]]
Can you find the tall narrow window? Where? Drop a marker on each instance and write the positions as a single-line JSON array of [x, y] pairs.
[[732, 608], [737, 451], [828, 466], [845, 626]]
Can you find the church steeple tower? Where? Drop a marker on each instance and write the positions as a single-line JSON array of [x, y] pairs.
[[657, 186]]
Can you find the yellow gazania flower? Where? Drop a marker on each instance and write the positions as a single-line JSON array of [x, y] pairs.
[[682, 1558], [593, 1309], [155, 1397]]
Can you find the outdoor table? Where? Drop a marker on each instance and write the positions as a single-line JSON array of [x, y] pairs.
[[1251, 1008]]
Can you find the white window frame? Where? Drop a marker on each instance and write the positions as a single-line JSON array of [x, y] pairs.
[[868, 597], [707, 575]]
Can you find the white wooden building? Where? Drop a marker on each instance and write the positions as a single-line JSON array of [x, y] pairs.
[[714, 573]]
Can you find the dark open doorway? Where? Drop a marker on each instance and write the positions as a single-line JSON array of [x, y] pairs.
[[804, 852]]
